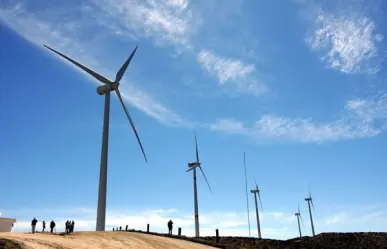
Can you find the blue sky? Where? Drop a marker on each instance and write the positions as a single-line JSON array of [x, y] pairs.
[[298, 85]]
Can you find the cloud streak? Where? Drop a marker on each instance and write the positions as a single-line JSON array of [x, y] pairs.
[[40, 30], [362, 118], [166, 22], [231, 73]]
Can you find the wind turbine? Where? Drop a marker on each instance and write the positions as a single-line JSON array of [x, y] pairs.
[[193, 166], [256, 192], [105, 89], [298, 214], [310, 200]]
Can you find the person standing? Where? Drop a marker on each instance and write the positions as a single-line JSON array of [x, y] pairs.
[[67, 227], [72, 226], [44, 226], [170, 226], [52, 226], [33, 224]]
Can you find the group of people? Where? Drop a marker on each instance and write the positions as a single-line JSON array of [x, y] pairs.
[[69, 226]]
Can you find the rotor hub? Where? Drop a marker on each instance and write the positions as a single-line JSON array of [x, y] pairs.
[[114, 86]]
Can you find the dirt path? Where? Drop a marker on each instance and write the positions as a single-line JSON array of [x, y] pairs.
[[103, 240]]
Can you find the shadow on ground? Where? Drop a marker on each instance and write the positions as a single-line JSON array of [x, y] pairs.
[[9, 244]]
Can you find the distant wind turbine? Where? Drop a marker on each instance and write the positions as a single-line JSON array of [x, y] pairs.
[[247, 195], [256, 192], [310, 201], [105, 90], [298, 214], [193, 166]]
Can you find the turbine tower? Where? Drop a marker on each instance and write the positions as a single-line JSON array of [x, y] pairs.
[[193, 166], [310, 201], [298, 214], [256, 192], [105, 89]]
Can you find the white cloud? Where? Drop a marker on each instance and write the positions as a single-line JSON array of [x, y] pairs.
[[276, 225], [172, 20], [231, 73], [229, 126], [40, 30], [228, 223], [355, 219], [349, 42], [362, 118]]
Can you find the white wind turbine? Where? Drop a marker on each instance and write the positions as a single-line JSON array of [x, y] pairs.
[[105, 89], [310, 201], [256, 192], [193, 166], [298, 214]]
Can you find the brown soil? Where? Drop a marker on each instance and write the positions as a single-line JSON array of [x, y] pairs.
[[97, 240], [139, 239]]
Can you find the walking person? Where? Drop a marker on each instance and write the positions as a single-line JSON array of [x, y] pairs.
[[33, 224], [170, 226], [44, 226], [52, 226]]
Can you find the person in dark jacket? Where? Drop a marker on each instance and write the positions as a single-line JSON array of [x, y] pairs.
[[44, 226], [67, 225], [72, 226], [52, 226], [170, 226], [33, 224]]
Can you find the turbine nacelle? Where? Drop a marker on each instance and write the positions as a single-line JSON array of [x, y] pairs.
[[254, 191], [192, 166], [101, 90]]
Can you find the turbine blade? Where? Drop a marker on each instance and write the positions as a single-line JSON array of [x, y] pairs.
[[302, 221], [122, 70], [200, 167], [197, 151], [131, 122], [260, 201], [89, 71], [311, 201], [256, 185], [299, 209], [191, 168]]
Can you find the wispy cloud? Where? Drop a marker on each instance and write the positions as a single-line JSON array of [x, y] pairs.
[[362, 118], [171, 21], [349, 41], [359, 219], [39, 29], [231, 73]]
